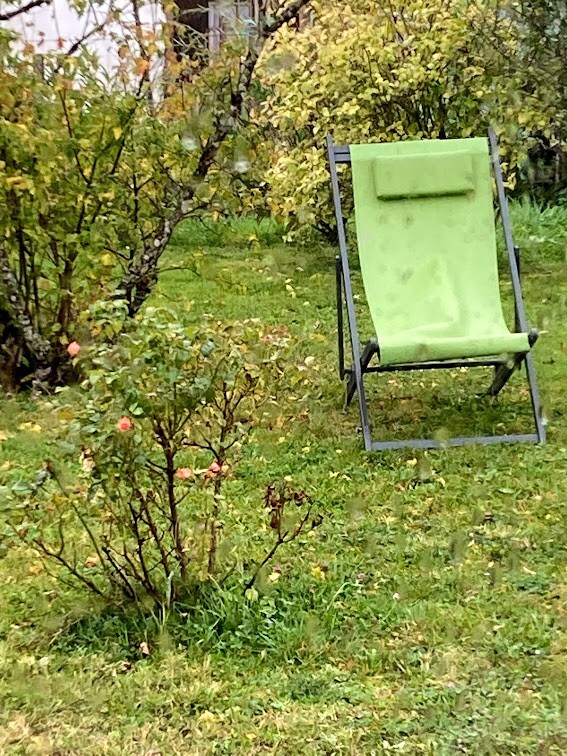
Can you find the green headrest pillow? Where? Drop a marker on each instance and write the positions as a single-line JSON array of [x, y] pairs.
[[405, 176]]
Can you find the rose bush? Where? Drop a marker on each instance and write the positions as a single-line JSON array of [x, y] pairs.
[[158, 425]]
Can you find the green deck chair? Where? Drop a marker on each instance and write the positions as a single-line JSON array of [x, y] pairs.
[[427, 248]]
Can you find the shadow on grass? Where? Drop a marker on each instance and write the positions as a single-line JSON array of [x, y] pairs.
[[449, 404], [279, 623]]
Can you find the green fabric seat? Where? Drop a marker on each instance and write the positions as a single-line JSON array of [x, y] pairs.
[[427, 247]]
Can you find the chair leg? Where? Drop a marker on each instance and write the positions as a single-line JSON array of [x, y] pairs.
[[370, 350], [353, 387], [340, 321], [536, 399], [504, 372], [350, 387]]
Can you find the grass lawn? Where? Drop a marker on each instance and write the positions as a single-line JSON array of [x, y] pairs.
[[428, 614]]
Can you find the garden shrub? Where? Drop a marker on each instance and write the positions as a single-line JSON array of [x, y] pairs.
[[91, 181], [96, 172], [382, 72], [541, 50], [158, 424]]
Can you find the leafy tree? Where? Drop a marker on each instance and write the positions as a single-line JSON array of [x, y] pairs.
[[540, 30], [380, 71], [96, 174]]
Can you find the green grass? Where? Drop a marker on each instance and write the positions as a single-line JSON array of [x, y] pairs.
[[441, 624], [540, 232]]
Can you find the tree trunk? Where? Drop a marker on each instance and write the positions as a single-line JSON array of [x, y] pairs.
[[38, 348]]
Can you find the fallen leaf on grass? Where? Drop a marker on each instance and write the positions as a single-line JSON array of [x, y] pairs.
[[32, 427], [319, 572], [207, 716]]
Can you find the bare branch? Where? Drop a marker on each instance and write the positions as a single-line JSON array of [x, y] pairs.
[[77, 44], [22, 9], [227, 121], [56, 556], [276, 503], [289, 14]]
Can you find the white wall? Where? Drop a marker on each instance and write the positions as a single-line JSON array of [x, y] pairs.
[[58, 26]]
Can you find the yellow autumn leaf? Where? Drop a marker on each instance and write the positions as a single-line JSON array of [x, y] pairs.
[[117, 131], [141, 67], [318, 573], [31, 427]]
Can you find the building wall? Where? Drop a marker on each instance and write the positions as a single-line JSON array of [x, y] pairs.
[[58, 26]]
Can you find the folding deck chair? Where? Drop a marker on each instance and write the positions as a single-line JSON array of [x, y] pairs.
[[427, 248]]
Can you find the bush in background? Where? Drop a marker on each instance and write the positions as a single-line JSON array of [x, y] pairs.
[[539, 231], [382, 72]]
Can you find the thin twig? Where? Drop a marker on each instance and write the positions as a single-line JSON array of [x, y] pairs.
[[22, 9]]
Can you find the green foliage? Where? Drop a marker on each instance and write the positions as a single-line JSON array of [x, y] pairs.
[[540, 232], [540, 31], [381, 72], [95, 174], [91, 181], [157, 424], [244, 231]]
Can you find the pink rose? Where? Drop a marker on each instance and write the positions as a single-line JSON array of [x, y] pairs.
[[213, 470], [124, 424], [184, 473], [73, 348]]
